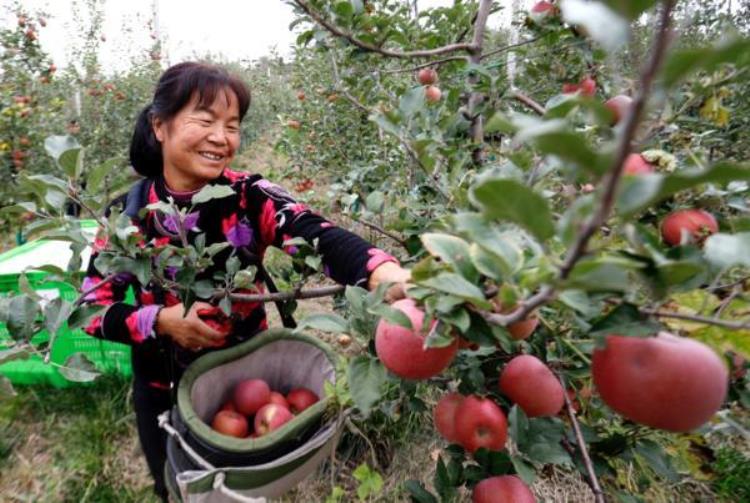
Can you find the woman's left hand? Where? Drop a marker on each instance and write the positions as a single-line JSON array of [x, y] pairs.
[[390, 272]]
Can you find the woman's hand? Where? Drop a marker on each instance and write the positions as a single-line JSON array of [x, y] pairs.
[[190, 331], [390, 272]]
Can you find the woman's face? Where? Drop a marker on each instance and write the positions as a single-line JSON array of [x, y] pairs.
[[199, 142]]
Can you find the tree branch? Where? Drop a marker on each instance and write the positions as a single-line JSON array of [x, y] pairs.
[[373, 48], [519, 96], [379, 229], [593, 481], [576, 252], [706, 320], [312, 293]]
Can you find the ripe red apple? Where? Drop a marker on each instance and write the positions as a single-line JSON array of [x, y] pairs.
[[667, 382], [502, 488], [402, 350], [230, 423], [270, 417], [433, 94], [569, 88], [444, 415], [697, 224], [427, 76], [531, 384], [635, 164], [278, 399], [250, 395], [299, 399], [523, 329], [479, 422], [619, 106], [542, 11], [587, 87]]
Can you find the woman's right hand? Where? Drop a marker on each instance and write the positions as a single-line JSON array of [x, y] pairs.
[[190, 331]]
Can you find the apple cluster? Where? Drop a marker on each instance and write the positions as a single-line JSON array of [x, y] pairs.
[[428, 77], [254, 404]]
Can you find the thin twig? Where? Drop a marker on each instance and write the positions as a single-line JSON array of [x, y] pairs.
[[510, 47], [82, 297], [436, 62], [706, 320], [312, 293], [382, 231], [529, 102], [374, 48], [593, 481]]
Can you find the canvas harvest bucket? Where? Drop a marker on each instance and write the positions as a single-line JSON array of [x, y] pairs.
[[205, 466]]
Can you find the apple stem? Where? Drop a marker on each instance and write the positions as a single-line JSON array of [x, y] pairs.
[[593, 481]]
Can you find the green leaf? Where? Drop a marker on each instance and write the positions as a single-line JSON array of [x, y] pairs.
[[375, 201], [604, 274], [457, 286], [683, 62], [57, 145], [418, 493], [499, 123], [640, 192], [511, 200], [625, 319], [504, 247], [601, 23], [523, 469], [451, 250], [574, 149], [97, 175], [726, 250], [22, 312], [412, 101], [25, 287], [366, 377], [386, 124], [78, 368], [630, 8], [71, 161], [391, 314], [81, 316], [209, 192], [14, 353], [518, 425], [326, 322], [657, 459], [370, 481], [443, 482]]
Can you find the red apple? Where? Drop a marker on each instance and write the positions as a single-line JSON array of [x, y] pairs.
[[569, 88], [427, 76], [479, 422], [402, 350], [229, 405], [250, 395], [619, 106], [301, 96], [696, 224], [635, 164], [230, 423], [444, 415], [523, 329], [503, 488], [542, 11], [278, 399], [299, 399], [270, 417], [433, 94], [667, 382], [587, 87], [531, 384]]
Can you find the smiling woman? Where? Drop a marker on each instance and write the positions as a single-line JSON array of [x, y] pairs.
[[184, 140]]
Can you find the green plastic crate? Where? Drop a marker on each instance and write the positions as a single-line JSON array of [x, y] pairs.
[[107, 356]]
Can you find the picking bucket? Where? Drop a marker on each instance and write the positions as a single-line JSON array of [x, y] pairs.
[[206, 466]]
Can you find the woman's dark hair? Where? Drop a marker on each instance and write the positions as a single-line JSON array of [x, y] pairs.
[[174, 90]]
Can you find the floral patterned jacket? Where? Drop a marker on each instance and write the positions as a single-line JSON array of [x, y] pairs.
[[258, 215]]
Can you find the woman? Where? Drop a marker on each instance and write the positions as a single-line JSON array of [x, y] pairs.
[[184, 140]]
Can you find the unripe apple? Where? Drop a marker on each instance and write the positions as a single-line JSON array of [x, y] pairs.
[[542, 12], [503, 488], [531, 384], [444, 415], [479, 422], [402, 350], [433, 94], [619, 106], [250, 395], [427, 76], [696, 224], [635, 164], [230, 423], [667, 382], [271, 417]]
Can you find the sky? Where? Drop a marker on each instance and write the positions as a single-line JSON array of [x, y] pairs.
[[234, 29]]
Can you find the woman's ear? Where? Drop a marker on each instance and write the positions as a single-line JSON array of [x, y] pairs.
[[158, 127]]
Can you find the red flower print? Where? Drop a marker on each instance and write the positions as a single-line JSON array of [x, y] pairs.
[[268, 222]]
